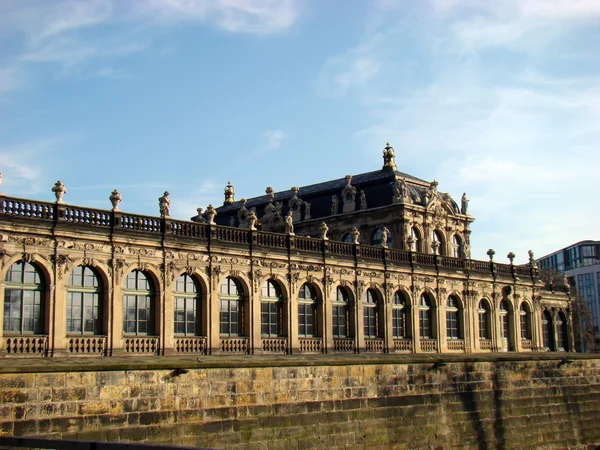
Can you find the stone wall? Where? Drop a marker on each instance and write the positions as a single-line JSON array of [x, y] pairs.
[[322, 402]]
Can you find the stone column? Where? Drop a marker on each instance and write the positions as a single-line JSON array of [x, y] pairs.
[[440, 325], [414, 322], [293, 315], [57, 328], [168, 314], [329, 293], [388, 325], [214, 321]]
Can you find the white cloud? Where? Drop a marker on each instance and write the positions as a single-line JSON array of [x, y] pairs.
[[272, 140]]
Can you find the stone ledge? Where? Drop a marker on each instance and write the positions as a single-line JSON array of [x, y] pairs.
[[45, 365]]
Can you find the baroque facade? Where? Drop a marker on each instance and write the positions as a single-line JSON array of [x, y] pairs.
[[376, 262]]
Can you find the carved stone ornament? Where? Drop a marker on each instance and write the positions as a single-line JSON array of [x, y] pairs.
[[464, 204], [210, 214], [295, 205], [355, 235], [349, 195], [289, 223], [363, 200], [307, 207], [243, 214], [400, 191], [115, 198], [229, 194], [164, 205], [116, 265], [252, 220], [334, 205], [59, 190], [324, 229]]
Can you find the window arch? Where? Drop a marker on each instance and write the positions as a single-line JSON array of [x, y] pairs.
[[457, 246], [231, 308], [347, 237], [84, 302], [138, 304], [187, 310], [271, 309], [372, 328], [307, 311], [425, 317], [399, 315], [416, 245], [453, 318], [547, 334], [525, 321], [23, 299], [563, 333], [484, 320], [437, 239], [341, 303], [377, 235]]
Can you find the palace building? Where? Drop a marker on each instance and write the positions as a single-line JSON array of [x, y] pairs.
[[377, 262]]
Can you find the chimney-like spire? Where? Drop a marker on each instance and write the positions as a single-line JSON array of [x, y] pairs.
[[229, 194], [389, 157]]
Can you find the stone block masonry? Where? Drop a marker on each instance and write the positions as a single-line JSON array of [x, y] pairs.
[[451, 401]]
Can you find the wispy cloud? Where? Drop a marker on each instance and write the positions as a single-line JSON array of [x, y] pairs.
[[271, 140]]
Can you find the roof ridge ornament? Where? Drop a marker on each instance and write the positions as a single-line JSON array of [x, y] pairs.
[[389, 157], [229, 194]]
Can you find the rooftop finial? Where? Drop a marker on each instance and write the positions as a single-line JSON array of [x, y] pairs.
[[389, 157], [229, 194]]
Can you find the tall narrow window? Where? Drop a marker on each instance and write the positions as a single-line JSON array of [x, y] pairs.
[[547, 334], [371, 314], [307, 311], [84, 302], [415, 246], [231, 308], [453, 325], [138, 304], [425, 318], [271, 309], [525, 321], [504, 331], [399, 313], [340, 313], [484, 320], [187, 306], [437, 242], [457, 247], [563, 333], [23, 292]]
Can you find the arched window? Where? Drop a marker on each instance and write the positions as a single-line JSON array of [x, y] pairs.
[[437, 242], [23, 304], [231, 308], [271, 309], [563, 333], [525, 321], [84, 302], [457, 247], [425, 317], [453, 313], [347, 238], [504, 324], [484, 320], [547, 334], [138, 304], [371, 314], [340, 313], [376, 239], [187, 306], [307, 311], [416, 245], [399, 315]]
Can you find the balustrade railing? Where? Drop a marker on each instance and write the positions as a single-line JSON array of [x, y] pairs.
[[485, 344], [453, 263], [456, 345], [26, 208], [402, 345], [308, 244], [341, 248], [371, 252], [374, 345], [275, 345], [230, 234], [504, 269], [429, 345], [235, 345], [86, 216], [311, 345], [424, 259], [526, 344], [276, 240], [188, 229], [523, 271], [144, 345], [87, 345], [480, 266], [139, 223], [196, 344], [399, 256], [343, 345], [27, 345]]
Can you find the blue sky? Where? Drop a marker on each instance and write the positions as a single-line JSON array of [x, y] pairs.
[[499, 99]]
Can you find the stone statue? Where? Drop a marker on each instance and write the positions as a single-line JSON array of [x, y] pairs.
[[289, 223], [199, 217], [164, 205], [464, 204], [278, 208], [324, 229], [349, 196], [210, 214], [334, 205], [384, 237], [115, 198], [306, 210], [400, 190], [355, 234], [363, 200], [532, 262], [59, 190], [252, 219]]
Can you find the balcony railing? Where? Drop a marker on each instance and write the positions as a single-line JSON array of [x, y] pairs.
[[374, 345], [456, 345], [311, 345], [275, 345], [87, 345], [485, 344], [141, 345], [235, 345], [343, 345], [195, 344], [27, 345], [402, 345], [429, 345]]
